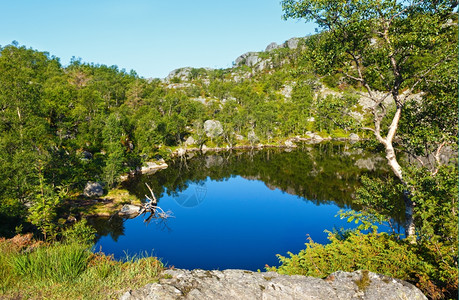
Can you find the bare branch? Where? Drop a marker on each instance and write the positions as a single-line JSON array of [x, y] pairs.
[[152, 194]]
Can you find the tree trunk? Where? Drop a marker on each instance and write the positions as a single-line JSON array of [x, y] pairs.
[[410, 229]]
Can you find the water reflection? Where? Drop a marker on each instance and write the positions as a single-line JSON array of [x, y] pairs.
[[237, 209], [321, 173]]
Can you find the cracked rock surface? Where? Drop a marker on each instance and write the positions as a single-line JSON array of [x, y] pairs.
[[241, 284]]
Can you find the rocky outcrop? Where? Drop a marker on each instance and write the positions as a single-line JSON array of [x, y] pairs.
[[271, 46], [240, 284], [250, 59]]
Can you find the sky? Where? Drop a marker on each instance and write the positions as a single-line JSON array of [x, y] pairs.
[[151, 37]]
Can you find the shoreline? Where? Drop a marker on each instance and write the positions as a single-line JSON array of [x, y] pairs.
[[108, 206]]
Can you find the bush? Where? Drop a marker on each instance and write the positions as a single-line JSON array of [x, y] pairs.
[[377, 252]]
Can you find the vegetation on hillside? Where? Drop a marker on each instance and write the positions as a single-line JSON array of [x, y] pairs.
[[407, 52], [62, 126]]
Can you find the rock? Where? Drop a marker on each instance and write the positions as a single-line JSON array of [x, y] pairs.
[[93, 189], [181, 152], [252, 137], [271, 46], [290, 144], [292, 43], [286, 91], [152, 167], [213, 128], [190, 141], [241, 284], [239, 137], [181, 73], [129, 210], [250, 59], [86, 155], [354, 137]]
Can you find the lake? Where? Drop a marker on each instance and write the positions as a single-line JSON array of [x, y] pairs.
[[238, 209]]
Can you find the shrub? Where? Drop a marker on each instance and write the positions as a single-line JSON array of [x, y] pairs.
[[376, 252]]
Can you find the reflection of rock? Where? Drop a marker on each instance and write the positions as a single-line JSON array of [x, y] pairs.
[[213, 161], [354, 137], [368, 163], [129, 210], [201, 284], [93, 189]]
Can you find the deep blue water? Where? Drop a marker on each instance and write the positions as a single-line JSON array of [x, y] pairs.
[[231, 223]]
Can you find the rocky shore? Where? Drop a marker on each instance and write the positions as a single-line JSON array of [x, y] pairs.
[[242, 284]]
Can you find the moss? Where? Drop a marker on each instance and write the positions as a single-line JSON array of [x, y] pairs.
[[364, 282], [268, 278]]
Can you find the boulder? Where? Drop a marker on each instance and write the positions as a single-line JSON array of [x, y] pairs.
[[152, 167], [93, 189], [86, 155], [290, 144], [181, 151], [213, 128], [129, 210], [271, 46], [250, 59], [241, 284], [190, 141], [292, 43]]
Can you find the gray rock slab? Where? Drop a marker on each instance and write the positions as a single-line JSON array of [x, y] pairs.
[[241, 284]]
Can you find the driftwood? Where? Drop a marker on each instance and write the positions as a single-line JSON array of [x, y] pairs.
[[152, 207]]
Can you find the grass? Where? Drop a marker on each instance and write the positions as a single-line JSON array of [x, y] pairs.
[[104, 206], [70, 271]]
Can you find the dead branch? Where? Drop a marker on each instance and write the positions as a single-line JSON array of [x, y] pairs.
[[152, 207]]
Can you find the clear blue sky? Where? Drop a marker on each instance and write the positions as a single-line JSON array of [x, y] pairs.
[[152, 37]]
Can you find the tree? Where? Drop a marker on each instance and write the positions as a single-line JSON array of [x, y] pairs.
[[391, 50], [113, 133], [43, 210]]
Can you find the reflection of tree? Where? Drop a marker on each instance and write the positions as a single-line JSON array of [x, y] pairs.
[[320, 173], [113, 226]]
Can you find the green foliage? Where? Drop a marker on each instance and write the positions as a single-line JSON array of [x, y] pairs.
[[436, 205], [69, 270], [57, 263], [375, 252], [80, 233], [42, 213]]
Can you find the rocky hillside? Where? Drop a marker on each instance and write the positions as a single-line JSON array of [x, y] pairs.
[[279, 80]]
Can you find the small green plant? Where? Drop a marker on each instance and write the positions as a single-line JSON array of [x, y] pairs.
[[364, 281], [80, 232]]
